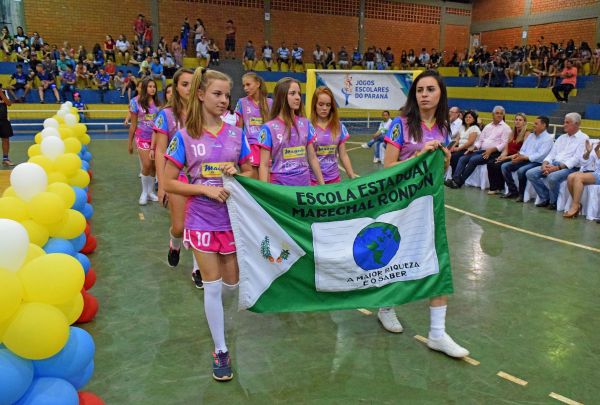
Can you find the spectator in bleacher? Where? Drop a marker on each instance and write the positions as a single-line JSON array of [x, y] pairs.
[[6, 131], [122, 46], [562, 160], [110, 68], [20, 36], [145, 67], [98, 61], [6, 41], [102, 81], [130, 86], [455, 59], [267, 56], [435, 59], [67, 82], [82, 74], [119, 81], [162, 47], [578, 180], [199, 31], [370, 59], [424, 58], [487, 148], [202, 51], [68, 50], [139, 55], [463, 63], [49, 65], [584, 56], [33, 62], [51, 52], [595, 68], [47, 81], [184, 35], [19, 81], [157, 71], [343, 58], [329, 58], [404, 60], [500, 66], [62, 63], [412, 59], [297, 57], [148, 34], [535, 148], [519, 133], [377, 138], [109, 48], [283, 56], [357, 58], [467, 136], [389, 57], [487, 72], [568, 82], [229, 40], [541, 70], [168, 64], [139, 26], [514, 67], [80, 105], [36, 42], [214, 52], [318, 57], [455, 121], [249, 58], [177, 51], [23, 54], [380, 62], [570, 49]]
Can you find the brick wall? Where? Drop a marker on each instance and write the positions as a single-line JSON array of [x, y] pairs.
[[456, 37], [580, 30], [541, 6], [484, 10], [507, 37]]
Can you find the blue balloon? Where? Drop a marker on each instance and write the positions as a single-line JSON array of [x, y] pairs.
[[50, 391], [85, 165], [88, 211], [73, 359], [87, 156], [80, 199], [58, 245], [79, 380], [85, 262], [16, 375], [78, 242]]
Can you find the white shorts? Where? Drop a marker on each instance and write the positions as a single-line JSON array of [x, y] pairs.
[[202, 55]]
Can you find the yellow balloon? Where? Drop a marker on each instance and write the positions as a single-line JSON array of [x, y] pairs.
[[66, 132], [75, 112], [34, 150], [68, 164], [80, 179], [60, 120], [11, 294], [38, 234], [72, 308], [57, 177], [64, 191], [79, 129], [72, 225], [85, 139], [52, 279], [43, 161], [72, 145], [33, 252], [46, 208], [13, 208], [9, 192], [38, 138], [36, 331]]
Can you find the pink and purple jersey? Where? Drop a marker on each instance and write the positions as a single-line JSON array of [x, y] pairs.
[[249, 112], [398, 136], [326, 148], [203, 158], [288, 151], [165, 123], [145, 119]]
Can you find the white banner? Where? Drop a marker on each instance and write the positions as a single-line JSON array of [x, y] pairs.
[[363, 253], [372, 90]]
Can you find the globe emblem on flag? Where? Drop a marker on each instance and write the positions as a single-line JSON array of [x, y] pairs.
[[375, 245]]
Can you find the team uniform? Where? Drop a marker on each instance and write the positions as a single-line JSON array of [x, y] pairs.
[[207, 225], [249, 112], [288, 151], [398, 136], [326, 148], [20, 79], [145, 123]]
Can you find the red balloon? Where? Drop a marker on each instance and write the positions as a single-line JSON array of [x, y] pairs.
[[90, 279], [91, 174], [89, 398], [90, 308], [90, 245], [88, 229], [89, 197]]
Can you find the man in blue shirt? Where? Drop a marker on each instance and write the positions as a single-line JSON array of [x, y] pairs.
[[535, 148], [46, 82], [156, 70], [283, 55], [19, 81], [68, 79], [297, 58], [80, 105], [102, 80]]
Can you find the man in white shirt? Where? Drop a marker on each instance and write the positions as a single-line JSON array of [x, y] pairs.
[[562, 160], [455, 121], [377, 138], [202, 50], [318, 57]]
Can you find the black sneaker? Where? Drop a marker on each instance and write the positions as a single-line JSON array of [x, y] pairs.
[[173, 256], [222, 366], [197, 277]]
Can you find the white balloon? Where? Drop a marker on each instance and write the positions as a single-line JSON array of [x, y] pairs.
[[70, 120], [14, 242], [28, 179], [50, 131], [62, 112], [52, 147], [68, 104], [50, 123]]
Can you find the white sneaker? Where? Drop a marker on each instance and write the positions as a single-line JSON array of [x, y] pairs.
[[143, 199], [446, 345], [375, 160], [389, 320], [364, 146], [152, 197]]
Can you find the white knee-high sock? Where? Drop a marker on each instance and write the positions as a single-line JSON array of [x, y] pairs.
[[213, 308], [143, 180], [230, 294], [437, 327]]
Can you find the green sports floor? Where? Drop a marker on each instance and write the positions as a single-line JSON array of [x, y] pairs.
[[524, 305]]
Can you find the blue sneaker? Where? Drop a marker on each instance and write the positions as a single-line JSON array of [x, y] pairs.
[[222, 366]]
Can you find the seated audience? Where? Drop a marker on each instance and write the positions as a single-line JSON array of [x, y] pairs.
[[469, 133], [578, 180]]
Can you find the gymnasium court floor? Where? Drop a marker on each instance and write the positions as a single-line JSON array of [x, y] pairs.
[[525, 305]]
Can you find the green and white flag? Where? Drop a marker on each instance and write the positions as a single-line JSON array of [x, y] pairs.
[[378, 240]]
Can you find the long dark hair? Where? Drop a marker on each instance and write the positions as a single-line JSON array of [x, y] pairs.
[[144, 98], [281, 105], [411, 108]]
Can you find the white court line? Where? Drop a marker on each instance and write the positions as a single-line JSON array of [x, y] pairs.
[[351, 149], [564, 399]]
